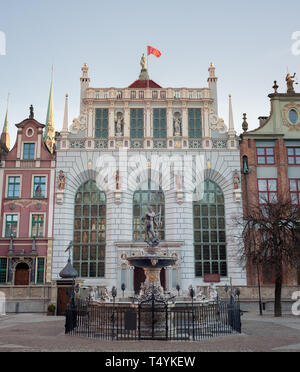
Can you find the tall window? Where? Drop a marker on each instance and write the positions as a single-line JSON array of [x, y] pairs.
[[28, 151], [267, 189], [159, 123], [101, 123], [37, 226], [141, 200], [39, 187], [295, 191], [265, 155], [89, 231], [11, 225], [3, 270], [40, 270], [293, 155], [195, 123], [209, 232], [137, 123], [13, 187]]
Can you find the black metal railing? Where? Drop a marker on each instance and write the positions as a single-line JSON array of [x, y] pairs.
[[189, 322]]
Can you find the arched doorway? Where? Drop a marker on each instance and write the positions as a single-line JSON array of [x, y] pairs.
[[22, 274], [139, 278]]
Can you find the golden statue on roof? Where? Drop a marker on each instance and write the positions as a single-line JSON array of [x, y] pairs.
[[290, 82], [143, 61]]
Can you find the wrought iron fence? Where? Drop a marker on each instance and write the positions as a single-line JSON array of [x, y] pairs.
[[184, 322]]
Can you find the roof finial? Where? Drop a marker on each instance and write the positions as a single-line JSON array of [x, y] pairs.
[[231, 121], [66, 116], [31, 115], [275, 87], [245, 124]]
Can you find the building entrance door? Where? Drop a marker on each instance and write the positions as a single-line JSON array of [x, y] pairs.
[[22, 274], [63, 299]]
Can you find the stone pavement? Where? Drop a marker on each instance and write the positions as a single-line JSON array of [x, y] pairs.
[[35, 333]]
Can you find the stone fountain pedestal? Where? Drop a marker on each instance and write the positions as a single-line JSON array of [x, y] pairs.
[[152, 264], [153, 304]]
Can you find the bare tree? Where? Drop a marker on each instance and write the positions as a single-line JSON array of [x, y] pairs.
[[270, 234]]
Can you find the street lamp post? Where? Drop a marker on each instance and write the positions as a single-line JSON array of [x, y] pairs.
[[246, 171]]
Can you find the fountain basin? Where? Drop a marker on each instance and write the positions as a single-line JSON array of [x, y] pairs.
[[154, 262]]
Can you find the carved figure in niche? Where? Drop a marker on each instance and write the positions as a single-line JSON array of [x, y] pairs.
[[119, 124], [236, 180], [177, 125], [61, 181], [118, 180]]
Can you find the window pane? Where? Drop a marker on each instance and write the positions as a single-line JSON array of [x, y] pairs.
[[260, 151], [262, 185], [89, 227], [261, 160], [272, 185], [209, 232]]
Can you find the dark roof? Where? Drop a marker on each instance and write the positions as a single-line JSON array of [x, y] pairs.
[[144, 84], [68, 271]]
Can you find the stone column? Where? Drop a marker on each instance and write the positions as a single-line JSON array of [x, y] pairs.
[[90, 122], [185, 124], [169, 122], [111, 121], [205, 124], [148, 124], [127, 121]]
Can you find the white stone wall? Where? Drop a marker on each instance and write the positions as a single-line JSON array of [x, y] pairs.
[[179, 218]]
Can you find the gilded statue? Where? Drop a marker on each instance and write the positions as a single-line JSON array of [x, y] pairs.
[[143, 61], [290, 82]]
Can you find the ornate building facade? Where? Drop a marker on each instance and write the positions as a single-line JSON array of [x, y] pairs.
[[27, 173], [270, 157], [148, 145]]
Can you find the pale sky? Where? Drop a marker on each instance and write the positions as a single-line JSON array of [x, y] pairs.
[[249, 42]]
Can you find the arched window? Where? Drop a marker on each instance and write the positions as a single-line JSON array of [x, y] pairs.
[[141, 200], [209, 232], [89, 231]]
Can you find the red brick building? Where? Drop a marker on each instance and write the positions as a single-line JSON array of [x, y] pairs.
[[27, 174], [271, 153]]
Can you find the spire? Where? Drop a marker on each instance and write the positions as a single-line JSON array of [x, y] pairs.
[[231, 130], [212, 84], [5, 138], [49, 133], [66, 116]]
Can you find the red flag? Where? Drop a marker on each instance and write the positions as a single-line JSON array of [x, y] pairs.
[[154, 51]]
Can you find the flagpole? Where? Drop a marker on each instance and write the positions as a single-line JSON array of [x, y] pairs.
[[148, 66]]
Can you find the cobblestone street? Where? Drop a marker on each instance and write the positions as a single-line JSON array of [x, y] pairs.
[[38, 333]]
